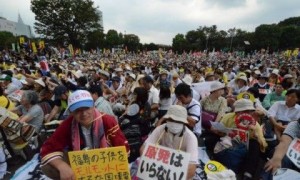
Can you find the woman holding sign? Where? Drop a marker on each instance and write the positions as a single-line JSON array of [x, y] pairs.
[[85, 128], [175, 135]]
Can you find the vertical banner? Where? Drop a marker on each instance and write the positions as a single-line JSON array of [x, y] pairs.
[[18, 47], [71, 49], [105, 163], [33, 47], [159, 162], [41, 44], [22, 40], [13, 47]]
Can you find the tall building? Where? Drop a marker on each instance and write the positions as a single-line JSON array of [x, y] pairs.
[[17, 28]]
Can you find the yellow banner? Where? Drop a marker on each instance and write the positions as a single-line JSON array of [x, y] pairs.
[[71, 49], [106, 163], [22, 40], [33, 47], [41, 44]]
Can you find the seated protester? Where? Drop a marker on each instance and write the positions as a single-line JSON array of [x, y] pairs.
[[85, 128], [153, 98], [101, 104], [130, 124], [273, 97], [29, 110], [165, 100], [189, 80], [140, 97], [61, 94], [214, 105], [183, 94], [259, 109], [174, 134], [287, 83], [274, 77], [45, 101], [7, 84], [39, 85], [240, 85], [263, 87], [279, 159], [162, 79], [257, 142], [283, 112], [116, 89], [79, 83], [5, 101], [27, 84]]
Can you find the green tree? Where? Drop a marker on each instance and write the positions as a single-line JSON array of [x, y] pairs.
[[195, 40], [132, 42], [95, 40], [267, 36], [180, 44], [65, 19], [290, 37], [112, 39], [6, 39]]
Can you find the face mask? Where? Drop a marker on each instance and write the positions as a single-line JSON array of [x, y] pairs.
[[174, 127]]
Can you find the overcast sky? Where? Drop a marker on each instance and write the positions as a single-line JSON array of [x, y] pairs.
[[159, 21]]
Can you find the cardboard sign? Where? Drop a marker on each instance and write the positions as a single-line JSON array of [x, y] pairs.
[[293, 152], [158, 162], [106, 163]]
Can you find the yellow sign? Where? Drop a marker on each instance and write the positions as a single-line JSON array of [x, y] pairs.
[[106, 163], [22, 40], [42, 44], [33, 47]]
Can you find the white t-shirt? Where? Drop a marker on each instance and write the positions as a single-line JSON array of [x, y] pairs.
[[153, 96], [189, 142]]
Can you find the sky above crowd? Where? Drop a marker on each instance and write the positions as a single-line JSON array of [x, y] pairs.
[[158, 21]]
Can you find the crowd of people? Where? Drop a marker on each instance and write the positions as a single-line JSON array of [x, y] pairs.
[[178, 101]]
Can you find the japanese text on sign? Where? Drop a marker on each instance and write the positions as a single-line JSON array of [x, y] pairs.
[[158, 162], [100, 164]]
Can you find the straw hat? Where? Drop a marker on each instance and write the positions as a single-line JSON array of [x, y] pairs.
[[243, 105], [177, 113], [216, 85]]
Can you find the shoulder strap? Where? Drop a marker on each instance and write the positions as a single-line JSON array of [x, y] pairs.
[[8, 103]]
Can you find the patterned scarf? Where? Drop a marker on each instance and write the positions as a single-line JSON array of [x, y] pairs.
[[99, 140]]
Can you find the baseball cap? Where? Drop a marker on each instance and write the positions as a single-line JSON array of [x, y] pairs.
[[79, 99], [5, 77]]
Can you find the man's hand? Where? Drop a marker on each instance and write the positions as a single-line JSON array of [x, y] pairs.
[[273, 165], [279, 127]]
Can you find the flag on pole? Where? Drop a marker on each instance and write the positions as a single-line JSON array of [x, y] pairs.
[[71, 49], [22, 40], [33, 47], [41, 44]]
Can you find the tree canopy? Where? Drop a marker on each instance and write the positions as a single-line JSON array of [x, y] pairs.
[[69, 20]]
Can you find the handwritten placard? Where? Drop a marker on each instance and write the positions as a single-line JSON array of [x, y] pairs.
[[97, 164], [158, 162]]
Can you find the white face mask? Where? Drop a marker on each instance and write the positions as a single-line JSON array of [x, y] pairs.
[[174, 127]]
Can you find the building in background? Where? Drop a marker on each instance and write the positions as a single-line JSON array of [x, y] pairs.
[[16, 28]]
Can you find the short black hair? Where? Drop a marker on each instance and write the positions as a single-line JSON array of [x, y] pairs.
[[254, 91], [96, 89], [148, 79], [291, 91], [183, 89]]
